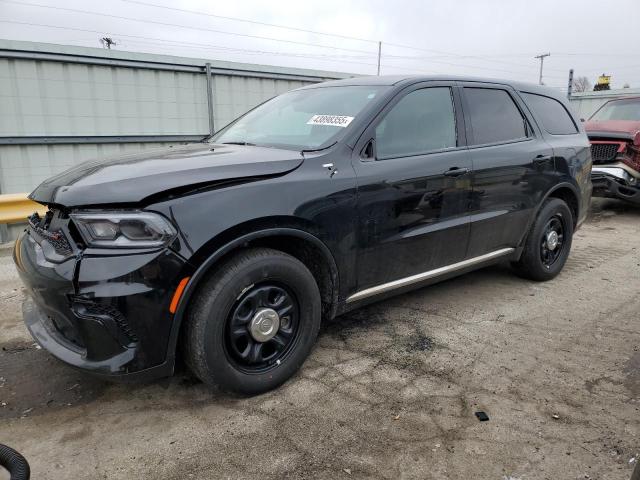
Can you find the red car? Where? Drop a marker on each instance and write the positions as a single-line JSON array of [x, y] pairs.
[[614, 133]]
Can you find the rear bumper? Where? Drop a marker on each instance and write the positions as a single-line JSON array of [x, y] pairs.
[[103, 313], [612, 182]]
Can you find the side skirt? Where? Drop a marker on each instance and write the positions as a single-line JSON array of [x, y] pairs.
[[431, 274]]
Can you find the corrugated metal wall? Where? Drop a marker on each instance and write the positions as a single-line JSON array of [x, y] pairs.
[[235, 95], [586, 103], [42, 98], [23, 167], [60, 105]]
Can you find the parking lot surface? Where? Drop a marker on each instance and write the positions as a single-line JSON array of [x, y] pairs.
[[391, 390]]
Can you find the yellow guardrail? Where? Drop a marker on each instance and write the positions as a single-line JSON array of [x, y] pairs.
[[16, 207]]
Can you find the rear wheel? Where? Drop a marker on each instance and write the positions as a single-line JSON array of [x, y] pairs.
[[253, 322], [549, 242]]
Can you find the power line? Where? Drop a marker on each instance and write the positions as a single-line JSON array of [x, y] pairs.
[[196, 12], [367, 53], [322, 33], [463, 57], [450, 54], [265, 38], [168, 24], [161, 42], [253, 22], [338, 58], [478, 67], [322, 58], [596, 54]]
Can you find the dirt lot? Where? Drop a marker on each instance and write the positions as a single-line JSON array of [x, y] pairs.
[[390, 391]]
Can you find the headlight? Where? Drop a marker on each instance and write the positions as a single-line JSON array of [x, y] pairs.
[[124, 229]]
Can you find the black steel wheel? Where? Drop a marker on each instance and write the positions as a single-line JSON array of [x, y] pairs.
[[262, 327], [548, 242], [552, 241], [252, 322]]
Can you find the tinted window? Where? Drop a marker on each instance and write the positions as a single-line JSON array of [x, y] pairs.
[[554, 117], [423, 121], [494, 116]]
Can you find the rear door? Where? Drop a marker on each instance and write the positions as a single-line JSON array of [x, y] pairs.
[[513, 166], [413, 174], [571, 148]]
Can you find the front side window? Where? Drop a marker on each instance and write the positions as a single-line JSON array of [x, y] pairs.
[[301, 119], [619, 110], [554, 117], [494, 116], [422, 121]]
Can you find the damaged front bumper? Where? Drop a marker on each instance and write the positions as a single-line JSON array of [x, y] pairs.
[[615, 182], [106, 312]]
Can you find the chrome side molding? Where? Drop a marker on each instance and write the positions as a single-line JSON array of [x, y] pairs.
[[403, 282]]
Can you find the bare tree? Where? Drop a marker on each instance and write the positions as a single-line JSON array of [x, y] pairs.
[[581, 84]]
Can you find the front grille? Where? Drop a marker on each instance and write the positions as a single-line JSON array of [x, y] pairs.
[[54, 236], [604, 152]]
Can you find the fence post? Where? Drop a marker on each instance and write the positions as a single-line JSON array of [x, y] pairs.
[[210, 98]]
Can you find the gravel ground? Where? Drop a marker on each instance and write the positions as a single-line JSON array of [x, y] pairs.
[[390, 391]]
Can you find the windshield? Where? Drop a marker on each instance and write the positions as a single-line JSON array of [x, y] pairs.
[[302, 119], [619, 110]]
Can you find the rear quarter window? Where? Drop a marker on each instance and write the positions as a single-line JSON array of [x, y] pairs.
[[494, 116], [553, 115]]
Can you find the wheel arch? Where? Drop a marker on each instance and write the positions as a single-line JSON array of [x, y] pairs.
[[293, 236], [567, 193], [564, 191]]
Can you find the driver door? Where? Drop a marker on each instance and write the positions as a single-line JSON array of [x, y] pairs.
[[414, 186]]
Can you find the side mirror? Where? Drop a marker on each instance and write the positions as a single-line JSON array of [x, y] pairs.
[[369, 150]]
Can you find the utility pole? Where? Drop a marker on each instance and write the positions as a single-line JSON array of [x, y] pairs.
[[379, 55], [570, 86], [541, 57]]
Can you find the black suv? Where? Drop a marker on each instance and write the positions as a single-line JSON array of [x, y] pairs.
[[316, 202]]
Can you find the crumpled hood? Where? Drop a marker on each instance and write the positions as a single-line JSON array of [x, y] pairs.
[[623, 127], [134, 178]]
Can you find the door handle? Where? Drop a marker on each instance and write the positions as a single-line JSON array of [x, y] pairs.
[[542, 159], [456, 172]]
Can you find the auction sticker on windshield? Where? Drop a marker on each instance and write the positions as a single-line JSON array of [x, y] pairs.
[[332, 120]]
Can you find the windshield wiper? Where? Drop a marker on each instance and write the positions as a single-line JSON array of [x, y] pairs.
[[239, 143], [311, 150]]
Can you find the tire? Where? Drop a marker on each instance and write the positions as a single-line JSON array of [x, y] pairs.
[[245, 296], [14, 463], [636, 471], [535, 262]]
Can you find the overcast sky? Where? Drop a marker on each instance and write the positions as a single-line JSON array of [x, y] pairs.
[[494, 38]]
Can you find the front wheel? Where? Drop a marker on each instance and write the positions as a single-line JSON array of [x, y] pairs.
[[549, 242], [253, 322]]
